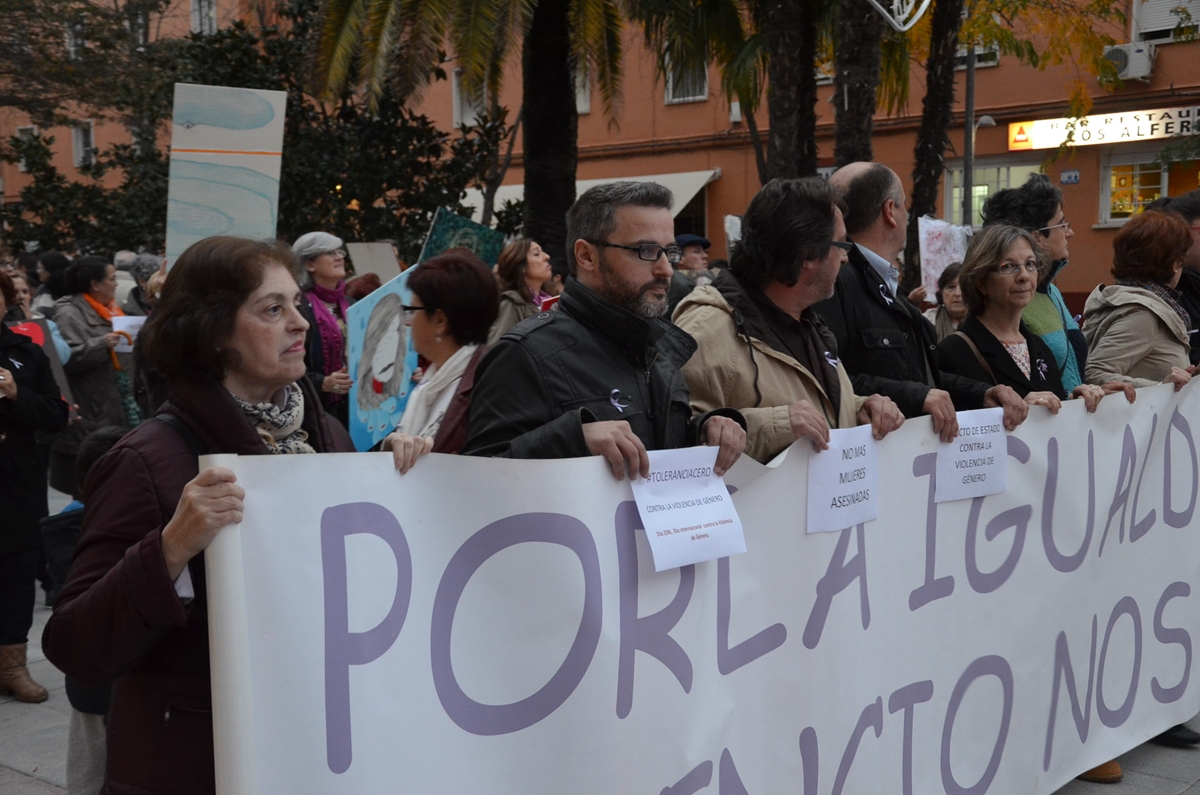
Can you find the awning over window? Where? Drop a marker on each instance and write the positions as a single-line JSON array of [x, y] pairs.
[[685, 185]]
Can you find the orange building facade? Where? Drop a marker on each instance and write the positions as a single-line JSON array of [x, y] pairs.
[[691, 137]]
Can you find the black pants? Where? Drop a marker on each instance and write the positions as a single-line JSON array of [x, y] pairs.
[[18, 573]]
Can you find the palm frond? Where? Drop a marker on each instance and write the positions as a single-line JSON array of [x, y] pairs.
[[894, 72], [596, 30], [341, 28], [379, 35]]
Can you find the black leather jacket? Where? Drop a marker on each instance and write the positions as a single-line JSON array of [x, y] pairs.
[[886, 345], [587, 361]]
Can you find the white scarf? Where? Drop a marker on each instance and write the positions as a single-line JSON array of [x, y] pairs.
[[428, 402]]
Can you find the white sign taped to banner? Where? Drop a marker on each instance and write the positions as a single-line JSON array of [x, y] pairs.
[[374, 633]]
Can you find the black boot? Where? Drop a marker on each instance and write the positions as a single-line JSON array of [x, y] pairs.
[[1177, 737]]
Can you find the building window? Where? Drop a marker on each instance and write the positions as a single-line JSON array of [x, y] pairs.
[[688, 85], [83, 140], [1160, 20], [204, 16], [986, 179], [25, 133], [75, 42], [583, 92], [467, 108], [1129, 185]]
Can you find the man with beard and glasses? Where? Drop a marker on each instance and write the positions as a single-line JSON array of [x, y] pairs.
[[601, 375]]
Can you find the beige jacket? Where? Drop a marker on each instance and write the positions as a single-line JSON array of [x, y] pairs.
[[513, 309], [1132, 335], [722, 374]]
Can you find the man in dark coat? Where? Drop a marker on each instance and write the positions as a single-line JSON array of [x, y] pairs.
[[884, 342], [601, 374]]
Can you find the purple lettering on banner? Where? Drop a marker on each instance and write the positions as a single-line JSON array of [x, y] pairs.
[[1113, 718], [810, 759], [545, 528], [764, 642], [730, 781], [1016, 518], [693, 782], [1061, 562], [651, 633], [837, 578], [1172, 517], [906, 698], [1080, 711], [1166, 635], [870, 717], [1121, 492], [344, 648], [991, 665], [934, 587], [1142, 526]]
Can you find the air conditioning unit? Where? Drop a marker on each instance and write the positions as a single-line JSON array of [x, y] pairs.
[[1134, 61]]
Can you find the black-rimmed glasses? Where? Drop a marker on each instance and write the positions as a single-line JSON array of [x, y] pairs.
[[409, 311], [843, 245], [650, 252]]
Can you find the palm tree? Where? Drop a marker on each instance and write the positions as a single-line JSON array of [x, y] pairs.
[[370, 42]]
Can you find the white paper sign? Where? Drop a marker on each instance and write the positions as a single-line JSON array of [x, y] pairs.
[[843, 481], [976, 463], [131, 325], [686, 509]]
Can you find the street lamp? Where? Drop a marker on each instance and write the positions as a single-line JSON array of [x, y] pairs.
[[969, 128]]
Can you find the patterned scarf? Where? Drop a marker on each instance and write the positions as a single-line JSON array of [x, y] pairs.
[[279, 428], [1171, 297]]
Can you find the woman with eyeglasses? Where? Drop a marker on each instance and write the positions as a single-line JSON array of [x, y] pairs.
[[1037, 207], [993, 344], [522, 269], [1137, 329], [322, 275], [454, 302]]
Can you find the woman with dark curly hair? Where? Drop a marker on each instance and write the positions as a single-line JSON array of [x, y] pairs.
[[1137, 329], [522, 269]]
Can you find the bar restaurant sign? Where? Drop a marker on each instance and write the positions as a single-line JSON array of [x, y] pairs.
[[1104, 128]]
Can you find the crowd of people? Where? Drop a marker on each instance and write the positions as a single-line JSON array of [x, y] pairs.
[[635, 343]]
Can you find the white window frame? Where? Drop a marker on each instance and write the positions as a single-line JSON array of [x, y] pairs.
[[73, 40], [952, 206], [1144, 22], [25, 132], [985, 57], [204, 17], [1142, 155], [583, 92], [671, 95], [83, 143], [466, 110]]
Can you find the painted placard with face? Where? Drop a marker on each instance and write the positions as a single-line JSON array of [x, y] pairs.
[[381, 361]]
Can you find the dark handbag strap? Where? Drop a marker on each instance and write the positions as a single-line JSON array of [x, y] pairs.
[[183, 429], [978, 356]]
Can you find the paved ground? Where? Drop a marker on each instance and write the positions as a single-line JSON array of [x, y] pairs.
[[33, 740]]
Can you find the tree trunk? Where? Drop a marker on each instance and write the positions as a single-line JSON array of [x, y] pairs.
[[551, 126], [936, 119], [857, 61], [792, 87]]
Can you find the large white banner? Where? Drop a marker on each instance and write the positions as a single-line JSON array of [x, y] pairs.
[[493, 626]]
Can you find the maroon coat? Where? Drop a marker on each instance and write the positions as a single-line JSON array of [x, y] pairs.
[[452, 433], [119, 618]]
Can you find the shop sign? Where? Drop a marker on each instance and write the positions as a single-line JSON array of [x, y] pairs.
[[1104, 128]]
